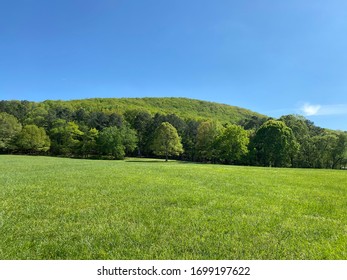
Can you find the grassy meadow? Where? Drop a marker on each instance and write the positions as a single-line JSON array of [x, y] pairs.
[[59, 208]]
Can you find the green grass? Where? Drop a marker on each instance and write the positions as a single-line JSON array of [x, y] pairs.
[[57, 208]]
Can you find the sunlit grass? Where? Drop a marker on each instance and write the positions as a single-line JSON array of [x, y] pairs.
[[56, 208]]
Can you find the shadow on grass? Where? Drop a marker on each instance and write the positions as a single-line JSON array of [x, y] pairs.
[[146, 160]]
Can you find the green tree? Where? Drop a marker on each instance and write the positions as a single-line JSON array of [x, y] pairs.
[[9, 129], [65, 137], [89, 142], [252, 122], [339, 150], [189, 138], [207, 134], [232, 144], [274, 144], [307, 152], [329, 149], [140, 121], [38, 116], [166, 141], [129, 139], [115, 142], [110, 143], [299, 125], [33, 139]]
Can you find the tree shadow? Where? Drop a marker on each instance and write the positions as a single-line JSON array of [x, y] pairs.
[[146, 160]]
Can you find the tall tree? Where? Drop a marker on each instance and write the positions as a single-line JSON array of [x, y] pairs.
[[129, 139], [141, 121], [274, 144], [110, 143], [339, 149], [65, 137], [208, 132], [89, 142], [329, 149], [9, 129], [189, 140], [115, 142], [33, 139], [166, 141], [298, 124], [232, 144]]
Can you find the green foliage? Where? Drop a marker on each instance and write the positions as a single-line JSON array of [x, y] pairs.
[[38, 116], [182, 107], [189, 138], [114, 141], [74, 128], [298, 125], [232, 144], [33, 139], [206, 138], [339, 150], [328, 150], [110, 143], [166, 141], [129, 139], [89, 142], [141, 121], [9, 129], [274, 144], [65, 137]]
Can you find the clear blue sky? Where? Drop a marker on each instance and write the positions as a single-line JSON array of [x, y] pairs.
[[273, 57]]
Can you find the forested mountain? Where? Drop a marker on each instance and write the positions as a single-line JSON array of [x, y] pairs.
[[182, 128], [182, 107]]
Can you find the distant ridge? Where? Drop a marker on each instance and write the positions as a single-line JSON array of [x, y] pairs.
[[182, 107]]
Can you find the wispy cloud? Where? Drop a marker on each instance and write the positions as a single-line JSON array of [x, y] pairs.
[[323, 110], [310, 110]]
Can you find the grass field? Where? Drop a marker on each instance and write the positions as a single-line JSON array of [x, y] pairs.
[[57, 208]]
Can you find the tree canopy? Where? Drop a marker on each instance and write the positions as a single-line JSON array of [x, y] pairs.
[[9, 129], [166, 141], [274, 144], [186, 129], [33, 139]]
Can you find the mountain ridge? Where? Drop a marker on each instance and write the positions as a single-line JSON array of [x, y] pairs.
[[181, 106]]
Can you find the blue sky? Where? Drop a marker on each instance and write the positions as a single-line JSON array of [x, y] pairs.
[[273, 57]]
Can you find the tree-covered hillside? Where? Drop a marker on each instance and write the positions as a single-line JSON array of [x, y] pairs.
[[182, 107], [186, 129]]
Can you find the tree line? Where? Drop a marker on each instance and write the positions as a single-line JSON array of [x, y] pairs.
[[58, 130]]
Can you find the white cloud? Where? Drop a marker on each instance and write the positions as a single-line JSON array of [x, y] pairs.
[[323, 110], [310, 110]]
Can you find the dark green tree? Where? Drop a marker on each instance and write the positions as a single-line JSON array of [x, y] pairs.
[[274, 144], [110, 143], [98, 120], [141, 121], [339, 150], [189, 138]]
